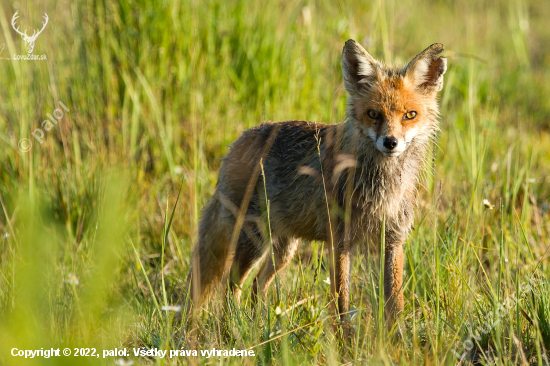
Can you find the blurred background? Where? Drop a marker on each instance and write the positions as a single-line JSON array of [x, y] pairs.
[[154, 94]]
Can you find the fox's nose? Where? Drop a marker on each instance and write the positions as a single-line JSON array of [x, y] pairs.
[[390, 142]]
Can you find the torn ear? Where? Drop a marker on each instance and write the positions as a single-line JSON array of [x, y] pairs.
[[358, 66], [426, 70]]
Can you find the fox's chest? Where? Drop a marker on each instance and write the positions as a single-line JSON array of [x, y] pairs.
[[381, 187], [378, 200]]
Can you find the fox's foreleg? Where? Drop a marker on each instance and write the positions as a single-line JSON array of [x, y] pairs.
[[393, 281]]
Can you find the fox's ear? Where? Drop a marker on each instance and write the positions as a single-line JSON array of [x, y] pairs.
[[359, 68], [426, 70]]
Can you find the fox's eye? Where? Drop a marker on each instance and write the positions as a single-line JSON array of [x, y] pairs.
[[410, 115], [373, 114]]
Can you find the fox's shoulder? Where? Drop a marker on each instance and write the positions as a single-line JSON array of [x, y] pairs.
[[286, 139], [294, 126]]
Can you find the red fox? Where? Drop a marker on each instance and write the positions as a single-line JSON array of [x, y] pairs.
[[335, 183]]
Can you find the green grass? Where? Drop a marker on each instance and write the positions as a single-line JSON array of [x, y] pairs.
[[158, 90]]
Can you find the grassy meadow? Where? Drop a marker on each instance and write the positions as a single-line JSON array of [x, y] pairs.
[[94, 241]]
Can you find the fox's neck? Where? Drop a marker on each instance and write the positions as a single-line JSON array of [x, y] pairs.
[[382, 182]]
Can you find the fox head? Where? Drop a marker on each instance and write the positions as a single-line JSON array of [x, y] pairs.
[[393, 106]]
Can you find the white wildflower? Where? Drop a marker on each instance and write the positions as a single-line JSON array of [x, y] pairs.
[[72, 279], [488, 204]]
